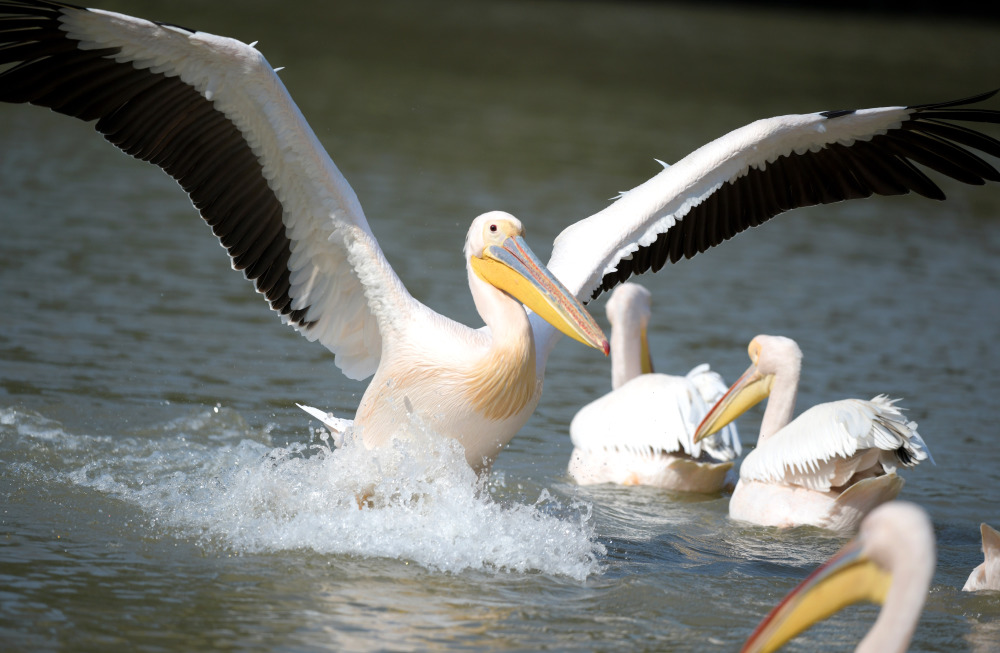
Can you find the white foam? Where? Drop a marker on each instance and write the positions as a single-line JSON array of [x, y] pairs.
[[209, 478]]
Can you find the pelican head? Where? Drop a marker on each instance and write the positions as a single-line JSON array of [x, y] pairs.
[[769, 356], [890, 562], [498, 255]]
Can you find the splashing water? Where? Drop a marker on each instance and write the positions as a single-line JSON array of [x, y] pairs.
[[209, 478]]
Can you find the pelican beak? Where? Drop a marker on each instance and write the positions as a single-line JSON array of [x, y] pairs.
[[512, 267], [848, 577], [748, 391], [645, 360]]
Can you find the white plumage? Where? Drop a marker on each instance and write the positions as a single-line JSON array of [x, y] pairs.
[[830, 443], [829, 466], [213, 114], [986, 576], [641, 433]]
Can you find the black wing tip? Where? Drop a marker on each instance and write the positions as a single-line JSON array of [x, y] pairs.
[[23, 6], [152, 116], [20, 6], [972, 99], [838, 113], [905, 457]]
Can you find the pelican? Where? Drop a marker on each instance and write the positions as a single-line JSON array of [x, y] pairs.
[[213, 113], [830, 466], [987, 575], [641, 432], [890, 562]]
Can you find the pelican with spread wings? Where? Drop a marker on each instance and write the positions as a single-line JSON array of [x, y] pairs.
[[213, 113]]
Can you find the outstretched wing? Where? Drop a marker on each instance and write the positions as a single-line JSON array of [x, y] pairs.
[[760, 170], [829, 443], [765, 168], [212, 113]]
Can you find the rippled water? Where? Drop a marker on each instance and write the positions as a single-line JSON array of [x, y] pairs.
[[161, 491]]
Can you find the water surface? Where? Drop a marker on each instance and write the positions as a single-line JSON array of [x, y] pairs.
[[161, 491]]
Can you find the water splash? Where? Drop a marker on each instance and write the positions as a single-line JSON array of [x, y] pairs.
[[210, 478]]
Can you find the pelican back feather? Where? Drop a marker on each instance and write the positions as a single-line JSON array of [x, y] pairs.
[[829, 444]]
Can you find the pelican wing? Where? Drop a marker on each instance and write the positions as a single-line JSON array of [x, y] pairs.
[[649, 414], [828, 444], [765, 168], [655, 413], [212, 113]]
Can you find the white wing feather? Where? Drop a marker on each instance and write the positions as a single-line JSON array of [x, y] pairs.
[[655, 413], [829, 443]]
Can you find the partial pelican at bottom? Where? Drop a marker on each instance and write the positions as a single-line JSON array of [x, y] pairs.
[[641, 433], [987, 575], [830, 466], [890, 562]]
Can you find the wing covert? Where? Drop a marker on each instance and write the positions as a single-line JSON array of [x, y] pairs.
[[649, 414], [655, 413], [827, 444]]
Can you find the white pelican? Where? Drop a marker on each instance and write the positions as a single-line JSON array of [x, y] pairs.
[[891, 562], [641, 433], [830, 466], [987, 575], [213, 114]]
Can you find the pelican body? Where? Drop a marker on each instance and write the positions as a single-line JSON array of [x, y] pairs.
[[214, 115], [478, 386], [828, 467], [641, 433], [891, 562], [986, 576]]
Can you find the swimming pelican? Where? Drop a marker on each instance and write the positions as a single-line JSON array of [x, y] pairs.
[[987, 575], [212, 113], [830, 466], [891, 562], [641, 432]]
